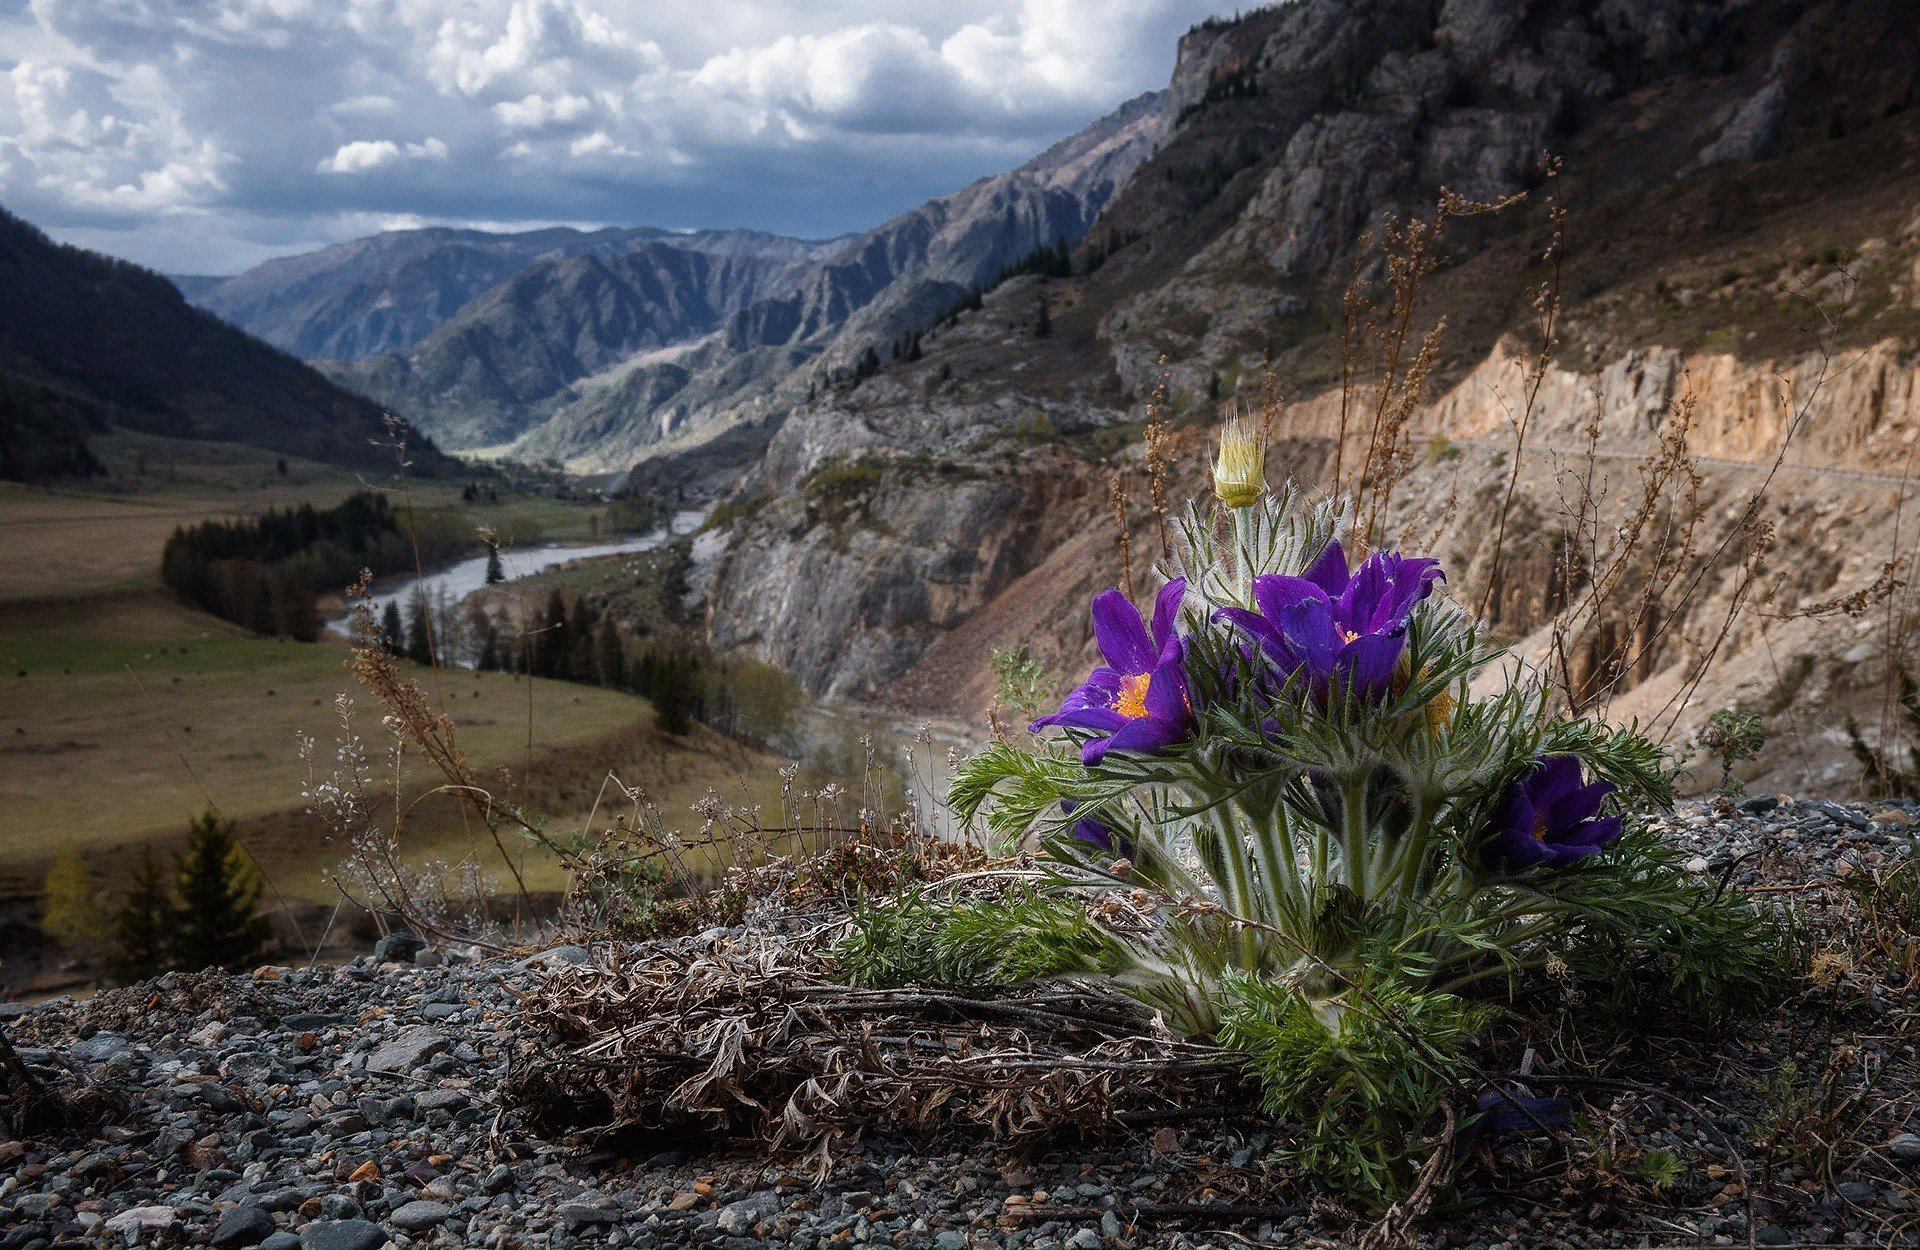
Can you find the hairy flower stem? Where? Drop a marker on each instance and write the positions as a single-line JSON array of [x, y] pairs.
[[1353, 823]]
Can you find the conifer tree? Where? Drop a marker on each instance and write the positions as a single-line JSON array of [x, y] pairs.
[[610, 656], [673, 695], [1043, 326], [552, 660], [419, 630], [143, 922], [217, 922], [393, 635], [495, 574], [580, 656]]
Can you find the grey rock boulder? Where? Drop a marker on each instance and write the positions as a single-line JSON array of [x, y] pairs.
[[342, 1235], [245, 1225], [412, 1048], [420, 1215]]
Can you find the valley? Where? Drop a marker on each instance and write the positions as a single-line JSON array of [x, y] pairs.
[[126, 713]]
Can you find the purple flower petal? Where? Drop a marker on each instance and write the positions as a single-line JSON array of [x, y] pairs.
[[1102, 719], [1274, 593], [1329, 570], [1166, 613], [1577, 805], [1366, 664], [1146, 735], [1167, 696], [1552, 777], [1310, 631], [1121, 633]]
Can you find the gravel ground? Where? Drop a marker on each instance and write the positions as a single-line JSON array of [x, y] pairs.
[[355, 1107]]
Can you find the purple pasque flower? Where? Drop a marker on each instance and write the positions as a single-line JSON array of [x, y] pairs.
[[1138, 700], [1338, 629], [1549, 817]]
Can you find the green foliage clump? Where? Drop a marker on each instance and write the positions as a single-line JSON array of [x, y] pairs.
[[912, 939], [217, 921], [839, 489], [1732, 737], [1022, 680], [1658, 946], [1364, 1081], [207, 917]]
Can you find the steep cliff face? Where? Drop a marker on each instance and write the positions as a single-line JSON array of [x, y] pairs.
[[1740, 245]]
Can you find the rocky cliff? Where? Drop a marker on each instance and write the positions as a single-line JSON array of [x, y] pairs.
[[1739, 248]]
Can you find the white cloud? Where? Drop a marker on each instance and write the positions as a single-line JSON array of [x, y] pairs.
[[248, 115], [365, 154], [535, 111]]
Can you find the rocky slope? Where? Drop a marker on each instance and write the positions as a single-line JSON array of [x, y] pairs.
[[353, 1107], [92, 342], [1740, 246]]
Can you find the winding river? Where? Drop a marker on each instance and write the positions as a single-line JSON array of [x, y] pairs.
[[455, 582]]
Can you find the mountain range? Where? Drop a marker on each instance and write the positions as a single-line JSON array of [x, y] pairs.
[[91, 343], [600, 348]]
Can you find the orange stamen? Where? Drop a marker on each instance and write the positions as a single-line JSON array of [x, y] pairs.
[[1132, 699]]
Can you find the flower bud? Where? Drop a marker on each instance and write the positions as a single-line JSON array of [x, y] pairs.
[[1240, 472]]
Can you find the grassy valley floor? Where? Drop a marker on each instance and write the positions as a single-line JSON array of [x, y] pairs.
[[124, 712]]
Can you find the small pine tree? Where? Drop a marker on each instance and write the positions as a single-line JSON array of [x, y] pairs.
[[673, 695], [552, 659], [419, 630], [393, 635], [143, 923], [495, 574], [218, 921], [70, 903], [610, 655], [1043, 325]]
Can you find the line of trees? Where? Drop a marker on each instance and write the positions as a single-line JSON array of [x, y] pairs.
[[581, 640], [266, 573]]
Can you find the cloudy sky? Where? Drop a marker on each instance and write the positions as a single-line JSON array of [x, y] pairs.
[[202, 136]]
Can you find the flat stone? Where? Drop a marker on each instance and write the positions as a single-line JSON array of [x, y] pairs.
[[739, 1217], [420, 1214], [1905, 1147], [408, 1051], [141, 1217], [342, 1235], [245, 1225], [582, 1215], [281, 1241]]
